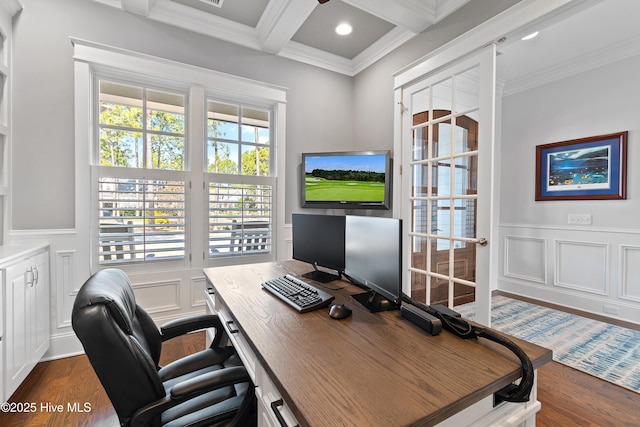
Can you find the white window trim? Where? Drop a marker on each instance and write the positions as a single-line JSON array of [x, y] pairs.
[[91, 58]]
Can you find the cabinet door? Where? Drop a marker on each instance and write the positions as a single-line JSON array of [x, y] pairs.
[[40, 290], [18, 315]]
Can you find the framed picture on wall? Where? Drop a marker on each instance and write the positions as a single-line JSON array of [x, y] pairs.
[[592, 168]]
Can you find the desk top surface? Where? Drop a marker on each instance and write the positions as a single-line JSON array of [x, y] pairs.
[[368, 369]]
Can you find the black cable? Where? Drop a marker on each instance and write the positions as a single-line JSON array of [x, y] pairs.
[[522, 392], [465, 330]]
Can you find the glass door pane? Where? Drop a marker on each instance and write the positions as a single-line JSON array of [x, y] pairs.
[[444, 187]]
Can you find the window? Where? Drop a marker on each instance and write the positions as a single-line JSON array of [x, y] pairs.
[[142, 179], [179, 167], [239, 179], [237, 140], [141, 183], [141, 128]]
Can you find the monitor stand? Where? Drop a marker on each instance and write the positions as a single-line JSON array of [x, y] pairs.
[[374, 302], [321, 276]]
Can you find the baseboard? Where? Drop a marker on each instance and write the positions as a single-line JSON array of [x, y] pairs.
[[63, 345], [587, 314]]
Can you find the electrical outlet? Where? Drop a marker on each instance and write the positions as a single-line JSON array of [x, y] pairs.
[[610, 309], [579, 219]]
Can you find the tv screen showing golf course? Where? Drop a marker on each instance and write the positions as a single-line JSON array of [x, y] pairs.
[[346, 179]]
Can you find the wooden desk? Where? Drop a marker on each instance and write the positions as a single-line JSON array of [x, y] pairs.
[[371, 369]]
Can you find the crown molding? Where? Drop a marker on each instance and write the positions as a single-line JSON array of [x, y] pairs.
[[11, 6], [387, 44], [316, 57], [485, 34], [573, 66]]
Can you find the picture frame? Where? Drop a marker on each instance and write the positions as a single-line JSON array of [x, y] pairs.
[[593, 168]]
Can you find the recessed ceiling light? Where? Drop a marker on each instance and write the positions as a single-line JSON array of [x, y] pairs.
[[344, 29], [530, 36]]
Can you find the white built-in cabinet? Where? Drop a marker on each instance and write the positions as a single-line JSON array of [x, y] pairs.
[[24, 312], [24, 333]]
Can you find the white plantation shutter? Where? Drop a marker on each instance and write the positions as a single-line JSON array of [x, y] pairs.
[[141, 220], [240, 219], [239, 179]]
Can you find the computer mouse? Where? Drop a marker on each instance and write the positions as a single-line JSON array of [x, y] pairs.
[[339, 311]]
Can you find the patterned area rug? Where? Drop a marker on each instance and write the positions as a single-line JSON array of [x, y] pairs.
[[606, 351]]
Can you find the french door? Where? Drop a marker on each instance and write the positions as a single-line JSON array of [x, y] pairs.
[[447, 183]]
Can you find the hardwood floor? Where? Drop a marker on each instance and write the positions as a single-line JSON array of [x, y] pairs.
[[568, 397], [572, 398], [72, 381]]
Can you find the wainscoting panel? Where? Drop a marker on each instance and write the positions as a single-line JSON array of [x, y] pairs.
[[158, 297], [591, 269], [525, 258], [582, 266], [65, 269], [630, 272], [198, 285]]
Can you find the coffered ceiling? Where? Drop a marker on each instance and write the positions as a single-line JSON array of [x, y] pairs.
[[302, 30], [585, 34]]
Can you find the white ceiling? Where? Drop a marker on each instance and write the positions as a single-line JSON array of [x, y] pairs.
[[583, 35], [586, 35], [303, 30]]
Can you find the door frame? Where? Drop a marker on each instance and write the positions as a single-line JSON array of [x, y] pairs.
[[486, 220], [509, 24]]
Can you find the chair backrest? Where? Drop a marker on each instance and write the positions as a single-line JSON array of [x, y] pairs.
[[120, 340]]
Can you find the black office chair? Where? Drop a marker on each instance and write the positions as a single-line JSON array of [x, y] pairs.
[[207, 388]]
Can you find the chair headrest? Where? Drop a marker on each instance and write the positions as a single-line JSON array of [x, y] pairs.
[[110, 287]]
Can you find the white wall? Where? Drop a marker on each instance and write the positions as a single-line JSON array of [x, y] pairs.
[[326, 111], [374, 108], [319, 116], [373, 87], [319, 102], [595, 268]]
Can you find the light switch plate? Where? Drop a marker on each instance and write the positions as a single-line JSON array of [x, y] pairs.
[[579, 219]]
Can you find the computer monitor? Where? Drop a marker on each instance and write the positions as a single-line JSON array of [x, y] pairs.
[[319, 240], [373, 260]]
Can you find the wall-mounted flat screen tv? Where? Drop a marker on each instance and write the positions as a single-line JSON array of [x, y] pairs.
[[346, 180]]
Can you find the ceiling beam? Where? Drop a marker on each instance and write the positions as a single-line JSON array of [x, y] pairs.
[[281, 20]]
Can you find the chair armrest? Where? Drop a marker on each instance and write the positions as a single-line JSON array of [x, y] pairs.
[[209, 381], [187, 390], [185, 325]]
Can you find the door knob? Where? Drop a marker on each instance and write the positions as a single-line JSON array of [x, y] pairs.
[[482, 241]]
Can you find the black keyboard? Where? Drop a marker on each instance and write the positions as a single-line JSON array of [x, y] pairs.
[[298, 294]]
